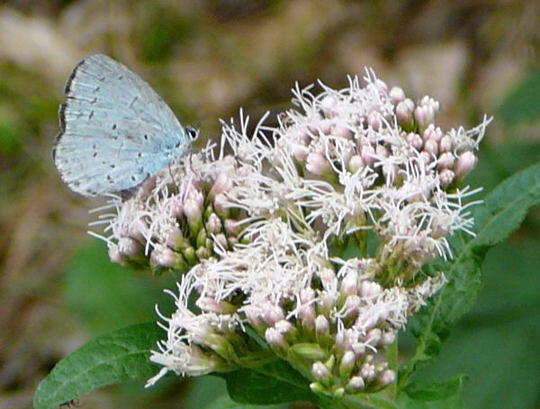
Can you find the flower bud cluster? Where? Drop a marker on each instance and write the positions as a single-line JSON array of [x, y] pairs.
[[373, 159], [336, 133], [331, 320], [309, 236], [176, 218]]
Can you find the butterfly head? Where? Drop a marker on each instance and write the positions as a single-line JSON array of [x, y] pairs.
[[192, 133]]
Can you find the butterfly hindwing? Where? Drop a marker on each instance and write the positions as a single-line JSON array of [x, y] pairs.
[[116, 130]]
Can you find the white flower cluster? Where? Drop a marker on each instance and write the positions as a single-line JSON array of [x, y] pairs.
[[174, 219], [311, 235]]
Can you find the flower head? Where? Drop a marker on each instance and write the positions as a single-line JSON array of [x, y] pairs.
[[274, 235]]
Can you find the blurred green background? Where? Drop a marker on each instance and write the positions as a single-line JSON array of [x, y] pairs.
[[208, 59]]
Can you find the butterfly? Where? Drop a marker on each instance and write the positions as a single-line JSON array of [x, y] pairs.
[[116, 131], [70, 403]]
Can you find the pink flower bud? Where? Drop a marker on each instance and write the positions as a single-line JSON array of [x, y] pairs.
[[446, 144], [307, 295], [445, 161], [193, 208], [275, 338], [433, 133], [328, 104], [175, 239], [326, 127], [272, 313], [374, 120], [431, 147], [370, 289], [368, 155], [425, 157], [115, 255], [356, 163], [423, 115], [221, 240], [163, 256], [129, 247], [232, 226], [321, 325], [213, 225], [328, 279], [221, 205], [355, 384], [415, 140], [396, 94], [373, 337], [175, 206], [341, 341], [347, 364], [343, 132], [359, 348], [320, 371], [137, 229], [349, 284], [283, 327], [404, 111], [222, 184], [368, 372], [428, 101], [352, 305], [465, 164], [306, 313], [387, 377], [327, 300], [446, 177], [211, 305], [253, 315], [317, 164]]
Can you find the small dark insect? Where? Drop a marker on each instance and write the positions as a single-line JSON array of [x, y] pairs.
[[69, 404]]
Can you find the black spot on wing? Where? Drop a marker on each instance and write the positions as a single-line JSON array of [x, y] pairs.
[[67, 88], [62, 118], [54, 149]]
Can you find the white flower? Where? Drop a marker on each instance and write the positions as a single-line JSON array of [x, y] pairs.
[[266, 226]]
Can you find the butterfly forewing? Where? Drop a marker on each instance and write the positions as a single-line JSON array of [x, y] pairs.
[[116, 130]]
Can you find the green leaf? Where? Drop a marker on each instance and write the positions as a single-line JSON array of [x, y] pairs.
[[503, 211], [115, 357], [506, 207], [209, 392], [268, 384], [203, 391], [501, 333], [523, 104], [224, 402], [436, 391], [452, 402], [501, 161], [441, 395], [106, 296]]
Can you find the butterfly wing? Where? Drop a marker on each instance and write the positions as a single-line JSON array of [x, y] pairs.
[[115, 129]]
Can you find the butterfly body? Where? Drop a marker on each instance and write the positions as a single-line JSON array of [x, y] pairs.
[[115, 129]]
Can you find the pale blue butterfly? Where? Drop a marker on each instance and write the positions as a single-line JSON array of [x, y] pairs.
[[116, 131]]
